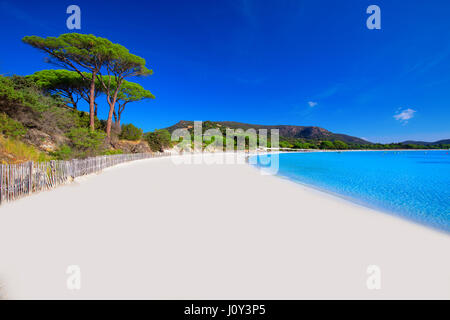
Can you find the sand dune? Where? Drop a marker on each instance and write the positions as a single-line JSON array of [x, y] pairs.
[[155, 230]]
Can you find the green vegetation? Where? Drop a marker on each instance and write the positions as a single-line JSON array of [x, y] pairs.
[[73, 88], [10, 127], [305, 145], [64, 152], [158, 140], [85, 141], [30, 102], [16, 151], [8, 92], [69, 85], [289, 142], [92, 58], [396, 146], [112, 152], [285, 144], [77, 52], [19, 90], [129, 92], [340, 145], [327, 145], [130, 132], [42, 109]]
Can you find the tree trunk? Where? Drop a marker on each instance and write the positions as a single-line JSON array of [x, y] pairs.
[[119, 112], [109, 121], [115, 116], [92, 102], [96, 109], [119, 115], [116, 121], [112, 105], [110, 115]]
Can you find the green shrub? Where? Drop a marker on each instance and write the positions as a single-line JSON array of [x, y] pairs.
[[130, 132], [32, 96], [112, 152], [285, 144], [85, 140], [7, 91], [327, 145], [304, 145], [159, 140], [10, 127], [340, 145], [63, 153], [18, 89], [82, 120]]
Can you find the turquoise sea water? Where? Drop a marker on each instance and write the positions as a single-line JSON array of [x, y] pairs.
[[412, 184]]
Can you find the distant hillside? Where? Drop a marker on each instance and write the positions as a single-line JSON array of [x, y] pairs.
[[424, 143], [286, 131]]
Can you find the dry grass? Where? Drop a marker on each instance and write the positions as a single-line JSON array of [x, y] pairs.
[[15, 151], [133, 142]]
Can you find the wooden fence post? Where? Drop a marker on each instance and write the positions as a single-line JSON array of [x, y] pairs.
[[30, 177], [15, 178]]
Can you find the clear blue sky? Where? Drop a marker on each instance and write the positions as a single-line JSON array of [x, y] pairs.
[[267, 62]]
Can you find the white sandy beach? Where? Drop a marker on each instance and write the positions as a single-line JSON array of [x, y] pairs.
[[155, 230]]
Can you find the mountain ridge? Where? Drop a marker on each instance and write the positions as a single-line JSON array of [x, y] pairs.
[[286, 131]]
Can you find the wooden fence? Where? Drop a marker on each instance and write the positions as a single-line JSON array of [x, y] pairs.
[[19, 180]]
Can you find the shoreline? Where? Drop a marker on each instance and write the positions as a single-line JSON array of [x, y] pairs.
[[211, 232], [361, 204], [357, 201]]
